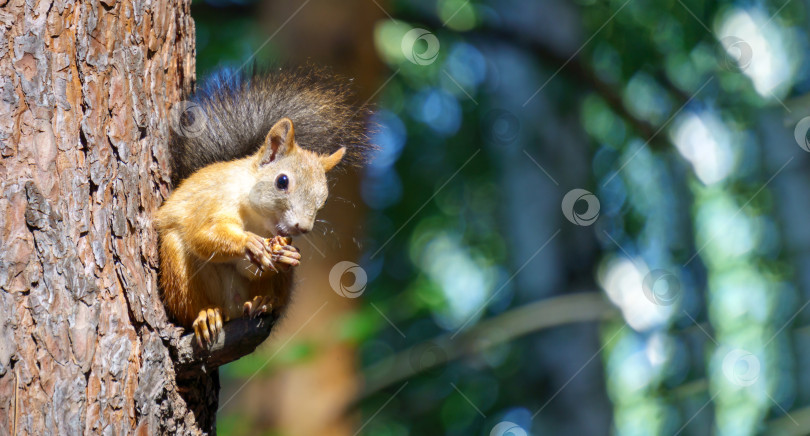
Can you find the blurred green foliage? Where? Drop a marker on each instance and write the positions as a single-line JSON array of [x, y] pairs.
[[670, 123], [228, 35]]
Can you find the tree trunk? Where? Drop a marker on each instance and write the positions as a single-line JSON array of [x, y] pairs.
[[85, 92]]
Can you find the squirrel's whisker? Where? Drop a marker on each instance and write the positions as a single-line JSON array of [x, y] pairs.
[[346, 200], [201, 267]]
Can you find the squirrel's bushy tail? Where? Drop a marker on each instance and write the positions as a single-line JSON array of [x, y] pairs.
[[231, 113]]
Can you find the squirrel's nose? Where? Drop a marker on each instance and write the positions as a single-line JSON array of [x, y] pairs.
[[301, 229]]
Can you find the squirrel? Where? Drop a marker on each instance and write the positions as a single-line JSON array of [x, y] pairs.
[[249, 166]]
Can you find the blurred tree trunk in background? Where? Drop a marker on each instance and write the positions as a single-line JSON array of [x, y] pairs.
[[85, 89], [310, 398]]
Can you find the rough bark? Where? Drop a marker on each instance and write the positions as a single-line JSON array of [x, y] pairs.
[[85, 92]]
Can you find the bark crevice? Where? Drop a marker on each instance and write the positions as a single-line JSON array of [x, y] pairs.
[[85, 346]]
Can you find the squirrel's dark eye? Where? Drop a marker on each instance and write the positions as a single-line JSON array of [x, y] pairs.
[[282, 182]]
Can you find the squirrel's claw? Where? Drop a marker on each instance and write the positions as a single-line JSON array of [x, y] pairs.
[[208, 326], [256, 251], [215, 323], [264, 253], [201, 330], [286, 260], [290, 252], [259, 305], [286, 254]]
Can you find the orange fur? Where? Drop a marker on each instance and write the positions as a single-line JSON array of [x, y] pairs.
[[206, 224]]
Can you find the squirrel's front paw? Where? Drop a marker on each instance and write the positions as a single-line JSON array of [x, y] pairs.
[[208, 326], [257, 252], [282, 252]]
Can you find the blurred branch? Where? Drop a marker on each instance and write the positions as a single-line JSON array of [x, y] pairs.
[[239, 337], [571, 66], [681, 96], [533, 317], [794, 423]]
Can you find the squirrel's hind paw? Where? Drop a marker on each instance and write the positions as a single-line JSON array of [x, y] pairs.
[[208, 326], [259, 305]]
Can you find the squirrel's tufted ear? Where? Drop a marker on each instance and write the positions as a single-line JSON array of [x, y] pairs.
[[329, 161], [279, 141]]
